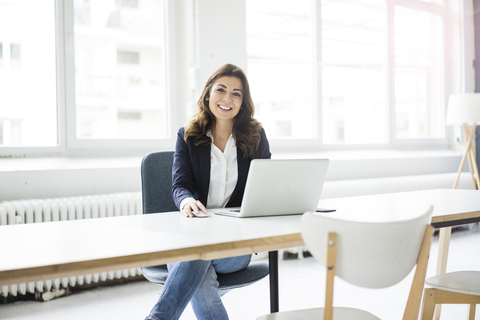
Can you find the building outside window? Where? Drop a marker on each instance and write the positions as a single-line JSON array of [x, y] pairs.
[[280, 66], [28, 99], [348, 72], [120, 70]]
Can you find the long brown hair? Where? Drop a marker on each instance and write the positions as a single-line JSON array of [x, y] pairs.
[[246, 129]]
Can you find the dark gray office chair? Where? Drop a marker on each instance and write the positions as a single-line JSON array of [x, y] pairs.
[[156, 171]]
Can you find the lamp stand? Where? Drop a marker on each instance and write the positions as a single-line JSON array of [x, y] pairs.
[[470, 154]]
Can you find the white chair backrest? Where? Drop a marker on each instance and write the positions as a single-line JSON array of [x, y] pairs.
[[369, 254]]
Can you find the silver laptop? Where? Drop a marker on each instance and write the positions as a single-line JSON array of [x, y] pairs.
[[280, 187]]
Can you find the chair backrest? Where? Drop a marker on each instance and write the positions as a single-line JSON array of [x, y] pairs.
[[368, 254], [156, 172]]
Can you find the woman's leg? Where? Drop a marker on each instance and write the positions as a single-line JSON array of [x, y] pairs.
[[183, 280], [233, 264], [195, 281], [206, 302]]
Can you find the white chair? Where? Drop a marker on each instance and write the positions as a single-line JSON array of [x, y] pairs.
[[366, 254], [460, 287]]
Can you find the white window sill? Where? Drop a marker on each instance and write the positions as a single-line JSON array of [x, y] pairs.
[[67, 163], [46, 177], [363, 164], [349, 164]]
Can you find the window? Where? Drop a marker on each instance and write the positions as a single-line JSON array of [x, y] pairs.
[[280, 66], [87, 76], [352, 72], [353, 55], [419, 76], [28, 105], [120, 90]]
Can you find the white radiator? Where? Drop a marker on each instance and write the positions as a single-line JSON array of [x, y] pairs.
[[60, 209]]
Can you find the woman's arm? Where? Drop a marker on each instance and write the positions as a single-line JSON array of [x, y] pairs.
[[182, 173], [183, 186]]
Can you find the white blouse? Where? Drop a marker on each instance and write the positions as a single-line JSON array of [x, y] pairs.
[[223, 175]]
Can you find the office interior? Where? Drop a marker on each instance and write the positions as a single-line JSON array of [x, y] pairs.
[[395, 142]]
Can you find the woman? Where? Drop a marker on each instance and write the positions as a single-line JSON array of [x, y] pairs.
[[211, 162]]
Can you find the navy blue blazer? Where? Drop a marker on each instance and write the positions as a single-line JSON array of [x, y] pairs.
[[191, 170]]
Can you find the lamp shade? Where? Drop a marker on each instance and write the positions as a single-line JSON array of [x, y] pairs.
[[463, 108]]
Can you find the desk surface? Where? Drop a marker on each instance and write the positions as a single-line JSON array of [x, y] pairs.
[[58, 249], [44, 251], [451, 206]]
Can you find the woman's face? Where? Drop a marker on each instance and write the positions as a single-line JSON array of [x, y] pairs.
[[226, 98]]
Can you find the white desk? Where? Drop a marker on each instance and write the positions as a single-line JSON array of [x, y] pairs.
[[44, 251], [452, 206], [58, 249]]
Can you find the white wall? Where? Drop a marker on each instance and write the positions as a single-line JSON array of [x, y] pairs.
[[220, 45]]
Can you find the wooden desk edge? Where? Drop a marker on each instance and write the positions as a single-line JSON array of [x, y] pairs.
[[206, 252], [453, 219]]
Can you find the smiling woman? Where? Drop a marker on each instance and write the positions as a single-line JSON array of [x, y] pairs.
[[210, 170], [226, 100], [227, 87]]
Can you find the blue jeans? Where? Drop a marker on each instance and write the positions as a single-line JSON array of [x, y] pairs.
[[195, 282]]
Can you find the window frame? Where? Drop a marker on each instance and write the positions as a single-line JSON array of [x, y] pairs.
[[67, 142], [317, 144], [72, 142], [183, 68], [419, 6]]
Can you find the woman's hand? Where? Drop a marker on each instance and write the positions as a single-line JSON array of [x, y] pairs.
[[193, 208]]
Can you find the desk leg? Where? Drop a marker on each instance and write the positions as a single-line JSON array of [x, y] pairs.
[[273, 265], [443, 245]]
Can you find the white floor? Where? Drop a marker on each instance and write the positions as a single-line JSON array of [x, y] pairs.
[[301, 286]]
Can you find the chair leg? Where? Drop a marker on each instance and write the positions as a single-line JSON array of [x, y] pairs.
[[471, 311], [412, 307], [331, 270], [428, 305], [437, 312]]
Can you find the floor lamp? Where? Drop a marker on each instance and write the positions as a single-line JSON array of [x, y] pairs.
[[464, 110]]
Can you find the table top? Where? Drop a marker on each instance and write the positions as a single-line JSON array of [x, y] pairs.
[[451, 206], [43, 251]]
